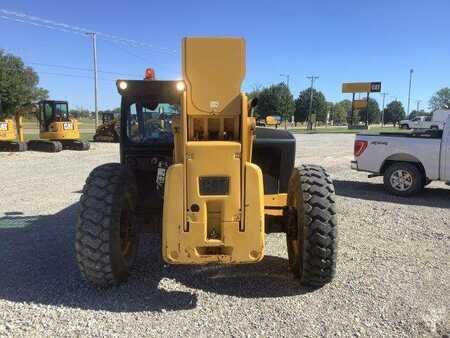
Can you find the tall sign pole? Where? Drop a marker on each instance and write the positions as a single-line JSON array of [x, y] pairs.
[[382, 111], [94, 48], [361, 87]]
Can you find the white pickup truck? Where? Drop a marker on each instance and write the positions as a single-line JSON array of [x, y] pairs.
[[436, 121], [407, 161]]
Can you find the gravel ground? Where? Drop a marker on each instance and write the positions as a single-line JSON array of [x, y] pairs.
[[392, 276]]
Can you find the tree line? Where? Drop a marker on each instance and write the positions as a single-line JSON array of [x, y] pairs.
[[278, 100]]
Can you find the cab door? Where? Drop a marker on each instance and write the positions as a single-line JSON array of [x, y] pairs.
[[45, 115]]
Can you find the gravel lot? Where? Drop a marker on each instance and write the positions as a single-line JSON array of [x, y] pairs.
[[392, 277]]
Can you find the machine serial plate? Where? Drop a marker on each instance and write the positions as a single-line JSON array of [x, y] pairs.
[[214, 185]]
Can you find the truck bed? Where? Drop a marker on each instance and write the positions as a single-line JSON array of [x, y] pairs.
[[431, 134]]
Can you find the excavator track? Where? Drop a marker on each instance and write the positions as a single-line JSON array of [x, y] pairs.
[[106, 138], [6, 146], [75, 145], [45, 146]]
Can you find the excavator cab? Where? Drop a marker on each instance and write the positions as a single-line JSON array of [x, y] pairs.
[[195, 169], [107, 118], [57, 130], [109, 130]]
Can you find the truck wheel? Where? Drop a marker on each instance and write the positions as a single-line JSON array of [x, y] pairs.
[[106, 233], [312, 231], [403, 179]]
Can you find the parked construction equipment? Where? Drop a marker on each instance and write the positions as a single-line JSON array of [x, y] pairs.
[[58, 131], [11, 130], [195, 168], [109, 130]]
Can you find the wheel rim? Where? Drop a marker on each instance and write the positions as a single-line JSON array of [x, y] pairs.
[[127, 234], [401, 180]]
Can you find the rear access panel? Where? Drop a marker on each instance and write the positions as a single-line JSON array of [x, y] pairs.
[[213, 228]]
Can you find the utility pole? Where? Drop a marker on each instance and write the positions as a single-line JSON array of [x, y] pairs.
[[411, 71], [94, 47], [418, 104], [312, 78], [286, 113], [382, 111]]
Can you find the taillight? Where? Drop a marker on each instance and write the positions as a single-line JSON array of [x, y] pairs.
[[360, 146]]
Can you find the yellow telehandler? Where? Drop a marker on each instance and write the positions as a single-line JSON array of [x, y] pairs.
[[195, 168]]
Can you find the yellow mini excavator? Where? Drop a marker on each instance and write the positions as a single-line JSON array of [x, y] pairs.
[[195, 169], [57, 131], [11, 130]]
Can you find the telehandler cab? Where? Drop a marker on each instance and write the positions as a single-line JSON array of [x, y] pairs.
[[58, 130], [195, 169]]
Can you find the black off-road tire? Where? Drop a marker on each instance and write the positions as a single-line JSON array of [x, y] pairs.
[[418, 180], [107, 233], [312, 232]]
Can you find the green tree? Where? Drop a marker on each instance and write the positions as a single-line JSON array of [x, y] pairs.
[[341, 111], [319, 106], [374, 112], [274, 100], [441, 99], [18, 84], [394, 112]]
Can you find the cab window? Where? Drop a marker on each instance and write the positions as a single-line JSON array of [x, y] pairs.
[[61, 111], [151, 122]]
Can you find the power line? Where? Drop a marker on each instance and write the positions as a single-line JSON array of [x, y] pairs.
[[74, 75], [80, 69], [66, 28], [39, 25], [73, 68], [60, 74]]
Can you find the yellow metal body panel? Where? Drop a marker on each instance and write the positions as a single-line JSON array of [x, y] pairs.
[[61, 131], [213, 69], [7, 130], [194, 246], [214, 158], [274, 204], [213, 140]]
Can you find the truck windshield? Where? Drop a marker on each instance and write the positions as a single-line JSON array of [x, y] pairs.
[[151, 122]]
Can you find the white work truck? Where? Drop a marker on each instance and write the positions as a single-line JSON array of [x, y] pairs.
[[407, 161], [435, 121]]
